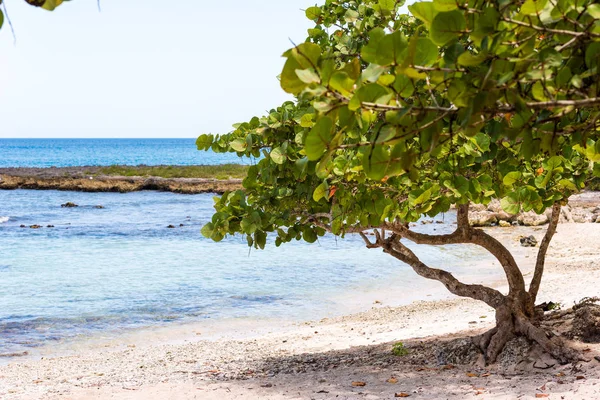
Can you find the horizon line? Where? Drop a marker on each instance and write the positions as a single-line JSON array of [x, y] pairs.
[[92, 138]]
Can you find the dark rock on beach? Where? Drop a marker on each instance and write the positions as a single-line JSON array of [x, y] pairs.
[[528, 241], [69, 204]]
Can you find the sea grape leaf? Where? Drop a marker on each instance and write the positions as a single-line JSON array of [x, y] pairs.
[[423, 10], [447, 26], [318, 139]]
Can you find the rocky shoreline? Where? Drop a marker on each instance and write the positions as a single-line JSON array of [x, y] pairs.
[[581, 208], [89, 179]]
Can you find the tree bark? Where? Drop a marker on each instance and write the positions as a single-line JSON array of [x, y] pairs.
[[514, 312], [541, 256]]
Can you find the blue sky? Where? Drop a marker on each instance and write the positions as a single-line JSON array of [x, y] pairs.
[[143, 69]]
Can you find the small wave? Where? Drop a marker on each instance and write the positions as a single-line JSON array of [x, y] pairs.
[[4, 219]]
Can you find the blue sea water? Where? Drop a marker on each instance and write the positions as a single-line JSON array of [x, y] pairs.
[[111, 269], [91, 152], [119, 267]]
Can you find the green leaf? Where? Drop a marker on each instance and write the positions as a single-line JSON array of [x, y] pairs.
[[1, 18], [485, 24], [577, 81], [260, 239], [207, 230], [204, 142], [371, 73], [538, 91], [301, 57], [551, 57], [50, 5], [404, 85], [313, 13], [461, 184], [419, 197], [426, 52], [511, 203], [533, 7], [512, 177], [445, 5], [369, 51], [371, 92], [452, 53], [308, 76], [594, 10], [392, 49], [387, 5], [564, 76], [278, 156], [351, 16], [238, 145], [248, 226], [447, 26], [592, 55], [309, 234], [471, 60], [423, 10], [320, 191], [341, 83], [375, 162], [568, 184], [318, 139]]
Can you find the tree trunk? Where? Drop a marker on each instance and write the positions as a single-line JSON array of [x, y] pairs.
[[512, 320], [515, 312]]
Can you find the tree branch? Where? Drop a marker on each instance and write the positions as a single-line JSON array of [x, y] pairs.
[[490, 296], [536, 105], [563, 103], [541, 256], [516, 282], [464, 234], [549, 30]]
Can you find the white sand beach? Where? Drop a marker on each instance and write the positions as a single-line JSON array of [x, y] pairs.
[[346, 357]]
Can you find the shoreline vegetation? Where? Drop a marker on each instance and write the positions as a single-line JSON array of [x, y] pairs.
[[191, 179]]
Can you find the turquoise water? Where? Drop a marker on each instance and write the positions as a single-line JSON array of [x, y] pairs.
[[83, 152], [120, 267]]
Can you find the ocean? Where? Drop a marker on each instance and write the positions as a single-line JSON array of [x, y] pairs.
[[106, 270], [91, 152]]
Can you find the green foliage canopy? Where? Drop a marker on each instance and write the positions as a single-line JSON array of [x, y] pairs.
[[403, 115]]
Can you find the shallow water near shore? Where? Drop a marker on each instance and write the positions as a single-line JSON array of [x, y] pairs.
[[120, 267]]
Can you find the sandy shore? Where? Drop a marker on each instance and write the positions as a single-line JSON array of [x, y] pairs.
[[88, 179], [327, 359]]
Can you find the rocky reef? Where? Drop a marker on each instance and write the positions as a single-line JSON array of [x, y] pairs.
[[583, 207], [86, 179]]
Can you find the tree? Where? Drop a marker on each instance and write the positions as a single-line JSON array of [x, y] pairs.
[[399, 116], [45, 4]]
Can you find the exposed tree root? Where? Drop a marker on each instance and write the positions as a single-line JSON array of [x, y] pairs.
[[555, 346], [510, 325]]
